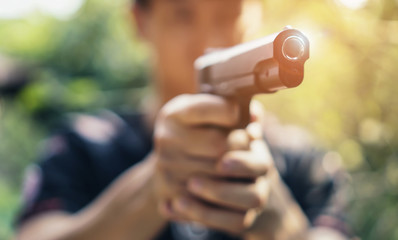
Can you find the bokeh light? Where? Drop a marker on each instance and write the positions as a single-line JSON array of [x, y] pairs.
[[352, 4], [61, 9]]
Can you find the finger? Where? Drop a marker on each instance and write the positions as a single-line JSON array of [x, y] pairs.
[[256, 111], [255, 131], [249, 164], [166, 210], [238, 140], [207, 142], [180, 168], [260, 148], [168, 185], [203, 109], [217, 218], [239, 196]]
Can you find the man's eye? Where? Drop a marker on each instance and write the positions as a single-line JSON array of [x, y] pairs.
[[224, 24], [184, 15]]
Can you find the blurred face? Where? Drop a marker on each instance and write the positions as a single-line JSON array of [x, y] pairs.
[[179, 31]]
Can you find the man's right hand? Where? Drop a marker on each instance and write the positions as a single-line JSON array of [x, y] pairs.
[[190, 135]]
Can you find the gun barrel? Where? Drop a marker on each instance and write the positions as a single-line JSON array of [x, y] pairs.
[[264, 65], [293, 48]]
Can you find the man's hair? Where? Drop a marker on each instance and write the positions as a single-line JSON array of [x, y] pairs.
[[143, 3]]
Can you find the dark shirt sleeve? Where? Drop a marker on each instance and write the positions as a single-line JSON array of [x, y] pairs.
[[80, 162], [59, 181]]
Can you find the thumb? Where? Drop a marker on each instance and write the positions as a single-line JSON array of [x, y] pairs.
[[257, 111]]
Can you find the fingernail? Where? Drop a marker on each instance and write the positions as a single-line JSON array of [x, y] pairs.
[[195, 185], [167, 208]]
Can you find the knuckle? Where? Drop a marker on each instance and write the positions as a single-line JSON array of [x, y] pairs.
[[253, 196], [175, 107], [194, 111], [259, 193], [162, 137], [262, 171], [185, 97], [160, 132], [256, 200], [164, 112], [182, 106], [239, 140]]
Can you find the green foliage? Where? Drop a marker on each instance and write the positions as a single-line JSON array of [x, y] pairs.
[[89, 62], [8, 203], [347, 100]]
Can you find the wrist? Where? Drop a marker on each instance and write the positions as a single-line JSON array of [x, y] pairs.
[[127, 208], [282, 218]]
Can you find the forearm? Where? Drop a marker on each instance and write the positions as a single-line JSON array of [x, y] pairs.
[[127, 209]]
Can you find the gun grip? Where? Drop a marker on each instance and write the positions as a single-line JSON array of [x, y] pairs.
[[244, 108]]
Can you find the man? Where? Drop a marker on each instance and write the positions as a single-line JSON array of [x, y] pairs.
[[195, 177]]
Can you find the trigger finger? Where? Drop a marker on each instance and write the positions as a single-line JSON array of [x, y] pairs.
[[255, 131], [238, 140], [256, 111]]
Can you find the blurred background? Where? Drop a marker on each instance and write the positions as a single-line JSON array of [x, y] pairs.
[[65, 56]]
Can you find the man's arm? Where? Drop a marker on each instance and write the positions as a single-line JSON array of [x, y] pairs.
[[283, 219], [121, 212], [129, 207]]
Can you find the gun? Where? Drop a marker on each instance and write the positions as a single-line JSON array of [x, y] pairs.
[[265, 65]]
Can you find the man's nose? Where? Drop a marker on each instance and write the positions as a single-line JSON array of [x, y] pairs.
[[206, 40]]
